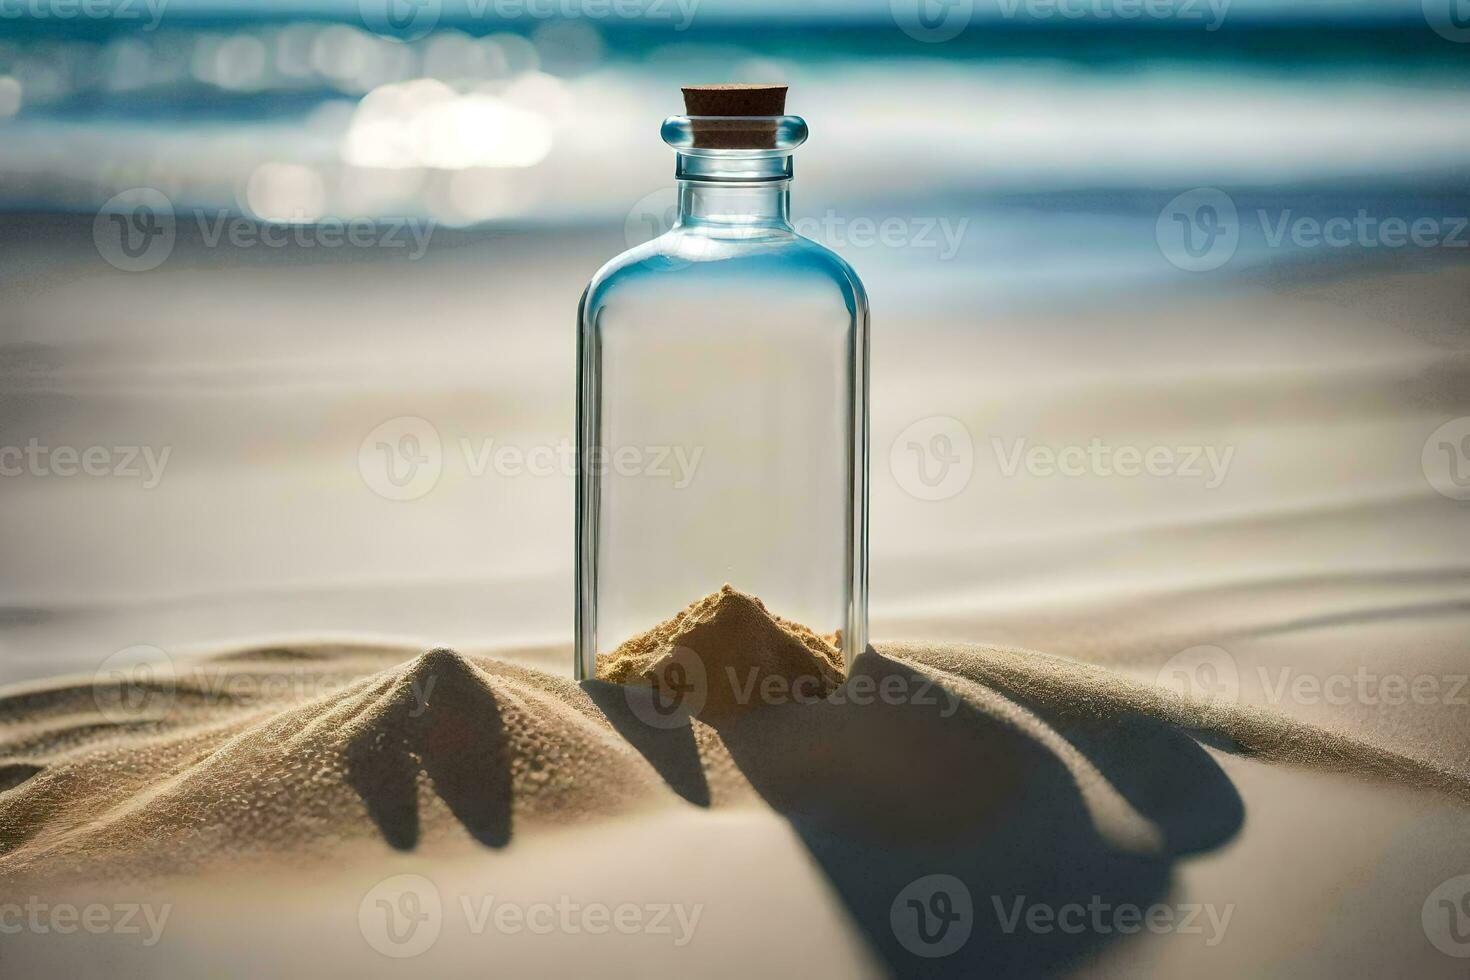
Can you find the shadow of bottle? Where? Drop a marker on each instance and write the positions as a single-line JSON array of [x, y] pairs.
[[969, 835]]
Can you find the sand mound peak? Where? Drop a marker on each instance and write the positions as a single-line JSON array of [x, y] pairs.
[[444, 668], [433, 749], [730, 653]]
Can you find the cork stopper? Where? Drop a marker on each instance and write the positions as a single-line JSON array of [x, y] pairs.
[[735, 101]]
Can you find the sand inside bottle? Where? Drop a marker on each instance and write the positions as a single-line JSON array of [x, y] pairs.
[[739, 652]]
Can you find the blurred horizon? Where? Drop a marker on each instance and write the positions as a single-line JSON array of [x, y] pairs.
[[296, 112]]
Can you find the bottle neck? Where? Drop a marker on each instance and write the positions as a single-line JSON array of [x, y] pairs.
[[739, 194], [735, 209]]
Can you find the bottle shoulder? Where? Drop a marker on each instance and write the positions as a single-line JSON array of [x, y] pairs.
[[679, 263]]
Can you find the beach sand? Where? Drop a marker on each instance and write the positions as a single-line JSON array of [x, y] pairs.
[[361, 725], [263, 771]]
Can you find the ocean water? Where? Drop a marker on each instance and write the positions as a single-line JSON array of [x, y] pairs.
[[289, 118]]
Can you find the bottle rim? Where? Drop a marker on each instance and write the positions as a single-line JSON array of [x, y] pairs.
[[723, 136]]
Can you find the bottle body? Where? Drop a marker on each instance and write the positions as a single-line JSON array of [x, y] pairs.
[[722, 425]]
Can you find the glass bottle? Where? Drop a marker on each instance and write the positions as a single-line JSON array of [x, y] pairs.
[[733, 352]]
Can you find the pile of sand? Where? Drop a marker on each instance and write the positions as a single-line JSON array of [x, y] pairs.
[[721, 650], [261, 754], [287, 755]]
